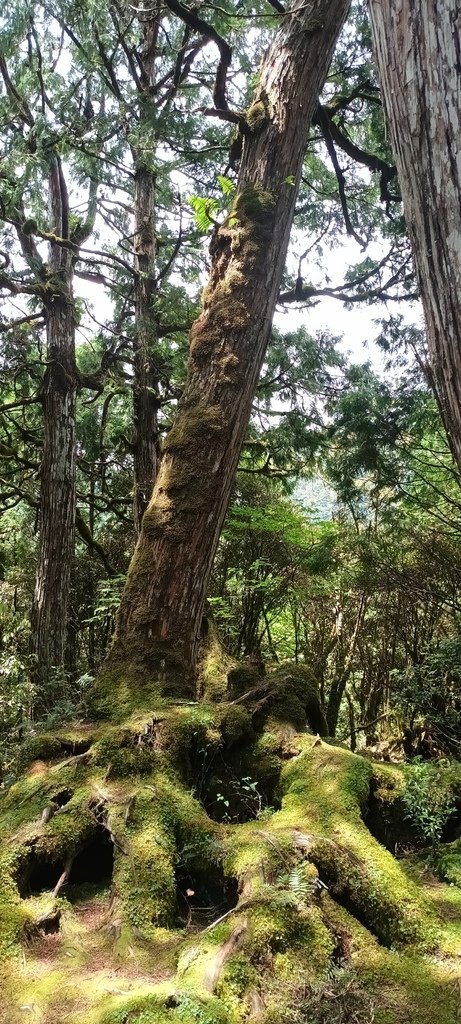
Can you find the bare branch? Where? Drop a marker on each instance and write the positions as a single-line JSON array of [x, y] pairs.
[[325, 124], [374, 163], [192, 19]]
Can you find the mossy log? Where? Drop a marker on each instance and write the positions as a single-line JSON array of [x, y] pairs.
[[209, 862]]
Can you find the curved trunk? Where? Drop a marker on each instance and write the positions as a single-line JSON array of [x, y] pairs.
[[417, 48], [161, 610]]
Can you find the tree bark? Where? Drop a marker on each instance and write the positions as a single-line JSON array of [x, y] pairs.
[[418, 53], [145, 383], [57, 484], [160, 617], [343, 673]]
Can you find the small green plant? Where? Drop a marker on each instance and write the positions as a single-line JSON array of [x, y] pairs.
[[245, 791], [428, 797], [223, 803], [191, 1011]]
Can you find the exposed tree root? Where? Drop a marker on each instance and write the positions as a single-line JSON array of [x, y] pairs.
[[320, 909], [222, 955], [64, 876]]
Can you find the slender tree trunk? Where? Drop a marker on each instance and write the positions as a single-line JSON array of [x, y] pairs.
[[418, 52], [160, 616], [352, 726], [57, 485], [341, 679], [145, 383]]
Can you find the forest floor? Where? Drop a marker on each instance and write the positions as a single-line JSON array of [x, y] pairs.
[[68, 975], [75, 974], [277, 900]]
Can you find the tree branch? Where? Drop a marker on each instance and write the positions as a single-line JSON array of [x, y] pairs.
[[387, 172], [325, 124], [91, 543], [193, 20]]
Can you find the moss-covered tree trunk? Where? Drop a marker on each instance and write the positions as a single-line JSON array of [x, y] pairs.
[[144, 385], [160, 617], [417, 48]]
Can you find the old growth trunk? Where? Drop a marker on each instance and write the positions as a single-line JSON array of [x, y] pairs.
[[418, 48], [57, 481], [162, 607]]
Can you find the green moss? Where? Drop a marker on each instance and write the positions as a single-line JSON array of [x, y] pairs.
[[262, 763], [387, 782], [288, 945], [292, 933], [256, 854], [386, 814], [292, 697], [235, 725], [242, 678], [257, 115], [144, 877], [189, 736], [42, 747], [124, 754], [13, 915], [23, 803], [144, 1010], [278, 928], [239, 976], [197, 838], [119, 692], [215, 665], [325, 790], [194, 423], [178, 1008], [254, 204]]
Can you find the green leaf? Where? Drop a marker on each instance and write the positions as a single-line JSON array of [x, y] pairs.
[[226, 185], [203, 210]]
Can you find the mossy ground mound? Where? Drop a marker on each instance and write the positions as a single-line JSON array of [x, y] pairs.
[[209, 863]]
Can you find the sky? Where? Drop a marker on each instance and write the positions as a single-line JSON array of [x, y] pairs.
[[357, 326]]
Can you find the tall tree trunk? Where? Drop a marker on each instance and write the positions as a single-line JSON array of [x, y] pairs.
[[57, 485], [160, 616], [418, 47], [145, 383]]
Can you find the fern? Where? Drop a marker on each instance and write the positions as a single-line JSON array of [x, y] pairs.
[[203, 208]]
